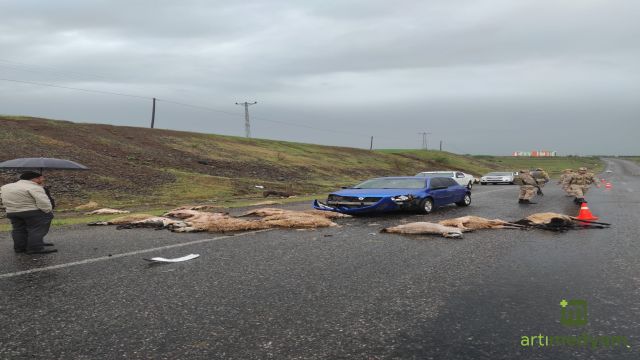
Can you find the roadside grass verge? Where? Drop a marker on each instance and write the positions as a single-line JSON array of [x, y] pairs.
[[552, 165]]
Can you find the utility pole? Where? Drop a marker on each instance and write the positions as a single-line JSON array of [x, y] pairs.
[[247, 124], [425, 144], [440, 145], [371, 146], [153, 113]]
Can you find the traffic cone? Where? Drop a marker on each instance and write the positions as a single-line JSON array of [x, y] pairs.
[[608, 186], [585, 213], [603, 181]]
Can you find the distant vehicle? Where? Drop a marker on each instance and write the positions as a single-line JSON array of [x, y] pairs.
[[388, 194], [498, 178], [463, 179]]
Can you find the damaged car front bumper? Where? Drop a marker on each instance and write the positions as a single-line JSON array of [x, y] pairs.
[[386, 204]]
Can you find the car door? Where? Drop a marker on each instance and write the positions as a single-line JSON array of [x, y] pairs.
[[439, 191], [461, 179], [455, 192]]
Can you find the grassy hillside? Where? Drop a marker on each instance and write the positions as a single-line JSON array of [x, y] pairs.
[[139, 167], [479, 164]]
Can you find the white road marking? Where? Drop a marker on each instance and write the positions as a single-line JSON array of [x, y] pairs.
[[116, 256]]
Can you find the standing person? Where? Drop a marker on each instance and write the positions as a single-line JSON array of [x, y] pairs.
[[541, 176], [564, 181], [579, 184], [528, 186], [30, 211]]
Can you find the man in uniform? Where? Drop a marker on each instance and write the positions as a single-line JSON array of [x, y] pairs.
[[528, 186], [579, 184], [541, 176], [564, 181]]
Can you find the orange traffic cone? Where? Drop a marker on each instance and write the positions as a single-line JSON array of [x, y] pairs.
[[608, 186], [585, 213]]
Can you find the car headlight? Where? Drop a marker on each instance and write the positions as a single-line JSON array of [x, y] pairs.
[[402, 198]]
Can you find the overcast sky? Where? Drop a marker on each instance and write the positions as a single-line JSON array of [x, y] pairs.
[[486, 77]]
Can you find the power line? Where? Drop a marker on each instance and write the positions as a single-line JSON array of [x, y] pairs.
[[58, 70], [40, 72], [75, 88], [180, 104], [198, 107]]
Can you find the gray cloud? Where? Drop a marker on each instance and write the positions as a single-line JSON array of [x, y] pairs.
[[476, 74]]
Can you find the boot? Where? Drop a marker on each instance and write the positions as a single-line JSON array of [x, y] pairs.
[[527, 201]]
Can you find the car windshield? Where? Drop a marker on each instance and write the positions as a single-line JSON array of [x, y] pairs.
[[499, 174], [438, 174], [392, 184]]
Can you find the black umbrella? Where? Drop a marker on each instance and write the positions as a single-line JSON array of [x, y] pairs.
[[41, 164]]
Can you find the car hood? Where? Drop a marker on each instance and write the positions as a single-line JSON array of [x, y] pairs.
[[376, 192]]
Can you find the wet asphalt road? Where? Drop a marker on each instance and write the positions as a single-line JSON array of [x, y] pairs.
[[338, 293]]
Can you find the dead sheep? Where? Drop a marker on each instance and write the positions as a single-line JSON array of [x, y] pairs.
[[127, 219], [106, 211], [88, 206], [192, 214], [262, 212], [155, 222], [477, 223], [545, 218], [559, 222], [425, 228], [328, 214], [297, 220], [224, 224], [197, 207]]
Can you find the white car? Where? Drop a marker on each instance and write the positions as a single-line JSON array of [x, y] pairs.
[[498, 178], [463, 179]]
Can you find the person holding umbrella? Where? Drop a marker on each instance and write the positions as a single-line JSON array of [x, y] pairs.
[[30, 211], [29, 204]]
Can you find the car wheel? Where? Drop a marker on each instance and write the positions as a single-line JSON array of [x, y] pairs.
[[466, 200], [426, 206], [470, 185], [483, 183]]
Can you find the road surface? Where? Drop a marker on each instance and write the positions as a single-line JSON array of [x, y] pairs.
[[337, 293]]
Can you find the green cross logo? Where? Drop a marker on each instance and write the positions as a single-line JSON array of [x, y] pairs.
[[574, 313]]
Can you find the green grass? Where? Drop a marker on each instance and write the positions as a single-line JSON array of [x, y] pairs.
[[552, 165], [480, 164]]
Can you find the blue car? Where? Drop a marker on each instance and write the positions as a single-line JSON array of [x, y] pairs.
[[396, 193]]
